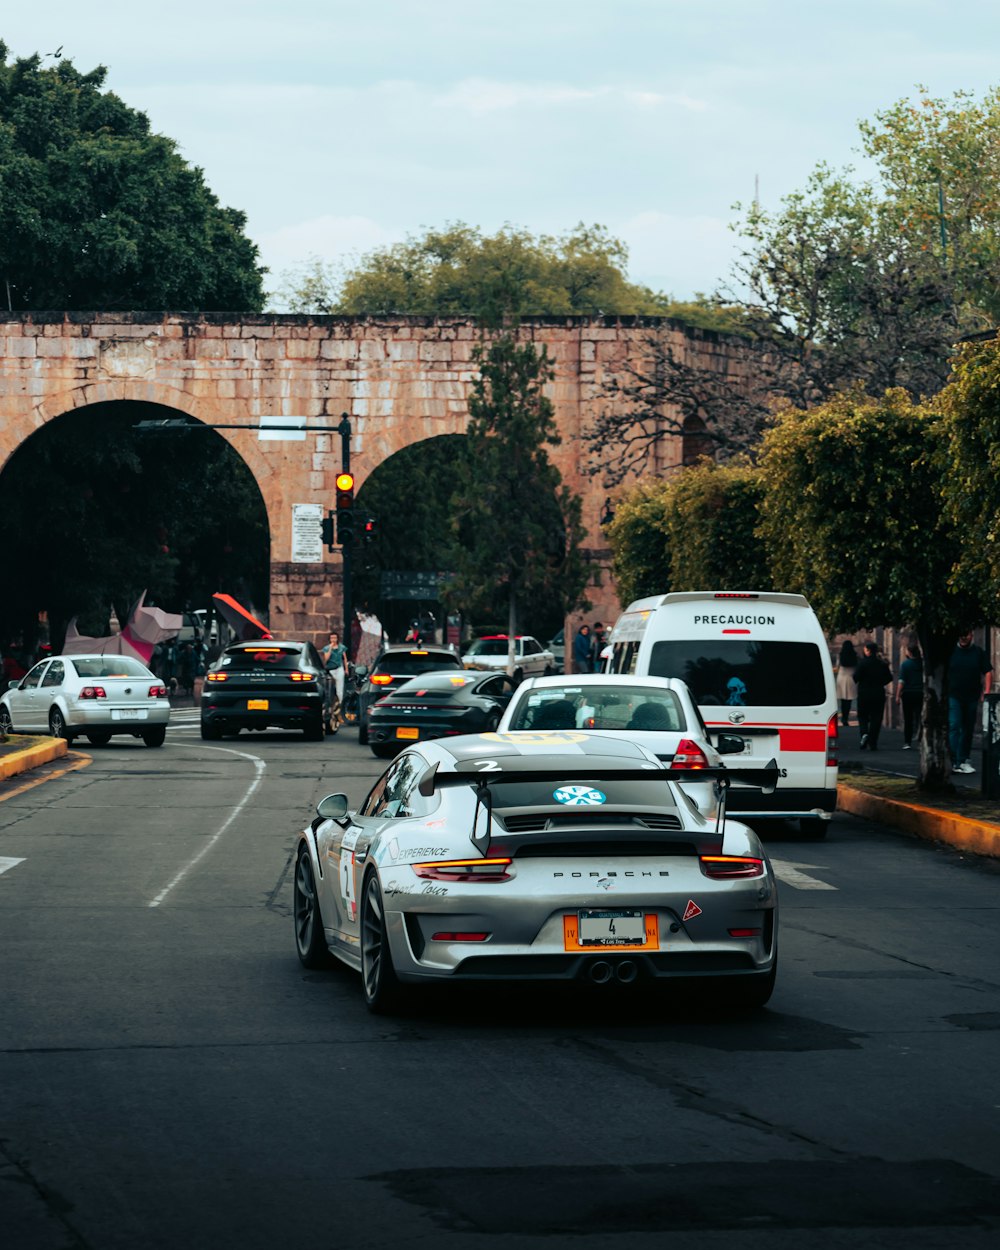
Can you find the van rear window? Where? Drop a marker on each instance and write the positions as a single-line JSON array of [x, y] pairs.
[[735, 673]]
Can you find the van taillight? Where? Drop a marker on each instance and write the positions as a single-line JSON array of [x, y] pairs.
[[832, 736]]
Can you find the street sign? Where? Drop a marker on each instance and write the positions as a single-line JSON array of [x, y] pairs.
[[291, 429]]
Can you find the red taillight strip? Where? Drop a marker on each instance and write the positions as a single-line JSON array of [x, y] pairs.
[[464, 869], [720, 866], [459, 937]]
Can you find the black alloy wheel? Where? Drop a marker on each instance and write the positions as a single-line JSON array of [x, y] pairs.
[[383, 992], [310, 943], [6, 724]]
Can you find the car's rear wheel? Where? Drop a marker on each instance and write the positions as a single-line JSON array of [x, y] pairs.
[[362, 733], [57, 725], [6, 724], [383, 992], [99, 737], [310, 942], [155, 737], [314, 729], [491, 724], [210, 732], [813, 827]]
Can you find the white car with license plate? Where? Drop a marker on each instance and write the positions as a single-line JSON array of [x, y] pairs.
[[562, 856], [96, 695]]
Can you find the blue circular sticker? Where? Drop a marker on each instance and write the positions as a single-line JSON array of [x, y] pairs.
[[579, 796]]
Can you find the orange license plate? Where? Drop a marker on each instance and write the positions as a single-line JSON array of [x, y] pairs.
[[403, 732], [258, 705], [611, 930]]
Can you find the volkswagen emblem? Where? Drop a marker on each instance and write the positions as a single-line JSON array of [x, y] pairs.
[[737, 718]]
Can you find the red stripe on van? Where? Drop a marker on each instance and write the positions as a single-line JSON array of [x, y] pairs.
[[736, 631], [802, 739]]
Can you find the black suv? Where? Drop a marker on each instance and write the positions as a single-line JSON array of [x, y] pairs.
[[394, 666], [267, 683]]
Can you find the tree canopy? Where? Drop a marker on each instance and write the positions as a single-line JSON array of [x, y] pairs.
[[98, 212], [460, 271]]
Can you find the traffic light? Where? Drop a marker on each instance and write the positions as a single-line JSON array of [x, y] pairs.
[[326, 530], [345, 508], [369, 528]]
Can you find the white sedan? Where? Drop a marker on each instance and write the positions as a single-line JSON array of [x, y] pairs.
[[530, 658], [97, 695]]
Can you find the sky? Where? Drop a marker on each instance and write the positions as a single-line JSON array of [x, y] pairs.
[[338, 127]]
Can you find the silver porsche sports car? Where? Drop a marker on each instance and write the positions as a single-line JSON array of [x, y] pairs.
[[560, 856]]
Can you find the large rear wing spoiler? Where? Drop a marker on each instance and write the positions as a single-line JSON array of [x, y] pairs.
[[764, 779]]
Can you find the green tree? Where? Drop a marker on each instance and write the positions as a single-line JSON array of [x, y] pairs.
[[971, 469], [518, 527], [691, 531], [459, 271], [852, 518], [98, 212]]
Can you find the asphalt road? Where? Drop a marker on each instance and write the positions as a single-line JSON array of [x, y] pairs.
[[170, 1077]]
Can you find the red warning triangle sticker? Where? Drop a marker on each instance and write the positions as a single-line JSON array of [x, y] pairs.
[[691, 910]]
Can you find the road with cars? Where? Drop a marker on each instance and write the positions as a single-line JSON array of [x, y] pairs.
[[170, 1076]]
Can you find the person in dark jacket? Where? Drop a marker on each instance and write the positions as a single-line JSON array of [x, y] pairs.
[[910, 693], [871, 678], [582, 644]]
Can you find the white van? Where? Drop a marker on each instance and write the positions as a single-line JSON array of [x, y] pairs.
[[758, 665]]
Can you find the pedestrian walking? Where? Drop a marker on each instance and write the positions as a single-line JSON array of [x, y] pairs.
[[334, 656], [970, 675], [910, 694], [600, 641], [582, 644], [871, 677], [847, 662]]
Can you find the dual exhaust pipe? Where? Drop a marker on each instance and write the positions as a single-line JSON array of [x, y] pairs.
[[601, 972]]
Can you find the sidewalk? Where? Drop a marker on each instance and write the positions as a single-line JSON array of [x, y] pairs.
[[979, 835]]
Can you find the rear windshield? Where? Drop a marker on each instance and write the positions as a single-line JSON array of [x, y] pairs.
[[584, 798], [607, 706], [740, 673], [436, 685], [410, 663], [264, 658], [111, 666]]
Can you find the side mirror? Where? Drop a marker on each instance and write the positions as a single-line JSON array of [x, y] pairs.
[[361, 670], [729, 744], [15, 684], [333, 807]]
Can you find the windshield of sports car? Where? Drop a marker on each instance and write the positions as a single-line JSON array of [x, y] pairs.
[[737, 673], [607, 706], [110, 666], [608, 793], [254, 659]]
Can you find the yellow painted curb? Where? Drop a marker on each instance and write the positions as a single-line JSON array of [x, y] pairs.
[[925, 822], [32, 757]]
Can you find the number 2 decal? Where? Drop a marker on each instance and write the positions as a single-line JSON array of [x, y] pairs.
[[486, 766]]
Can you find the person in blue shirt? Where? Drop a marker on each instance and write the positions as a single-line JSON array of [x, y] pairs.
[[582, 643]]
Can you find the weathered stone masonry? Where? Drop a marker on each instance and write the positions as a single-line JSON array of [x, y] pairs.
[[401, 380]]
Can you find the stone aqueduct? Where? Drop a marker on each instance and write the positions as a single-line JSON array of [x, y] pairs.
[[401, 380]]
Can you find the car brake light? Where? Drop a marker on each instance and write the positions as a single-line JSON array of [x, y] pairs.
[[459, 937], [216, 676], [93, 692], [157, 692], [689, 755], [735, 594], [381, 679], [722, 866], [832, 742], [297, 676], [464, 870], [745, 932]]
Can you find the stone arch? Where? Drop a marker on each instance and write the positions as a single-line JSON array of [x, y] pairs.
[[696, 442]]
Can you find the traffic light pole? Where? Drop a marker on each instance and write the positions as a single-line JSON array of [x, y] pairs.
[[344, 430]]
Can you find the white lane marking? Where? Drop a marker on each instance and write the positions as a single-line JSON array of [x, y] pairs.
[[259, 767], [788, 872], [8, 861]]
